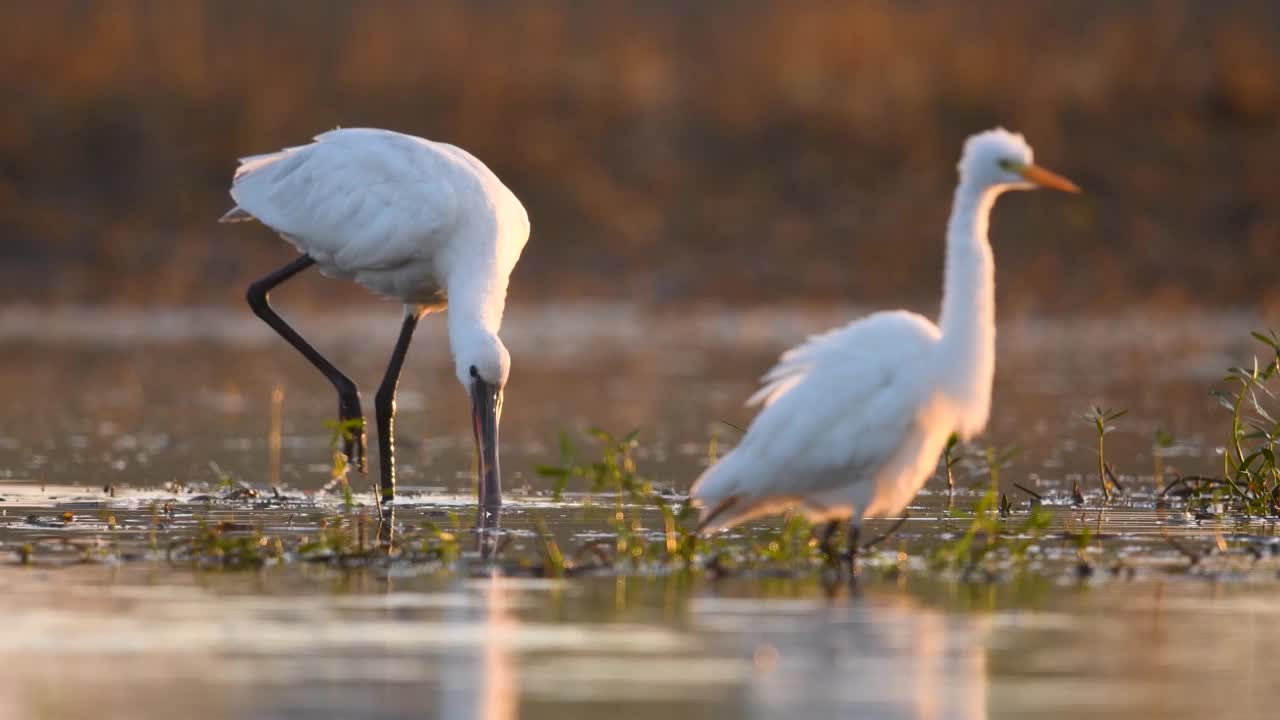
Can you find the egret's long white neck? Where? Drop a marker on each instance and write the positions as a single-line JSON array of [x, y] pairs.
[[967, 348]]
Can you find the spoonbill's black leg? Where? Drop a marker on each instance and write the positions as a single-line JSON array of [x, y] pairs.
[[384, 404], [348, 393]]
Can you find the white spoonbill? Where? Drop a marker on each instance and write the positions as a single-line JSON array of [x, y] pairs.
[[854, 419], [419, 221]]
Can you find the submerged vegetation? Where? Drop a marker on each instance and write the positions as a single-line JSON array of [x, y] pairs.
[[614, 471], [341, 432], [605, 515], [1249, 461], [1249, 486], [975, 553]]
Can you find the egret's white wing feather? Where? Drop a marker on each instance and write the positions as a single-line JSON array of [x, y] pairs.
[[837, 408], [249, 163], [796, 363]]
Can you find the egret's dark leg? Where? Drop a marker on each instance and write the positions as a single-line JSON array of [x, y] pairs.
[[851, 554], [387, 528], [348, 394], [828, 542], [384, 404], [888, 533]]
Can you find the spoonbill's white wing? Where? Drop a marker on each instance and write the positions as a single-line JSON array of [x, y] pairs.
[[838, 409], [355, 200]]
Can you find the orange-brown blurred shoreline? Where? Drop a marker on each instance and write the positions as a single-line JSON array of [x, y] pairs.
[[668, 151]]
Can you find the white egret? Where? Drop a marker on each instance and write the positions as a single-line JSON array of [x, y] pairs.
[[419, 221], [854, 419]]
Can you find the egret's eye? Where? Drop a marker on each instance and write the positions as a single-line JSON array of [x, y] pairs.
[[1006, 164], [474, 372]]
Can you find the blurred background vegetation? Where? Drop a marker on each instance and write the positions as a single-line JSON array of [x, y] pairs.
[[668, 151]]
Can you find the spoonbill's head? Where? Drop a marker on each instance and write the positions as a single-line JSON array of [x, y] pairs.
[[483, 363], [1003, 160], [482, 355]]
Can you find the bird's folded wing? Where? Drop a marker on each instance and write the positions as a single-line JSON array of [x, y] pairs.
[[884, 339], [360, 202], [841, 403]]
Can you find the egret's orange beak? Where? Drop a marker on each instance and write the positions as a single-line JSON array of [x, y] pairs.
[[1045, 178]]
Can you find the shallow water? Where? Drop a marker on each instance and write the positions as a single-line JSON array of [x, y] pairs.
[[124, 642], [102, 625]]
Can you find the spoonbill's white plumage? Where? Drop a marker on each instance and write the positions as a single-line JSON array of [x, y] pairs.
[[854, 420], [419, 221]]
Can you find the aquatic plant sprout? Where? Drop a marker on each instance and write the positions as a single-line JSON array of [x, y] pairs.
[[615, 470], [1161, 442], [1101, 418], [341, 434], [950, 457]]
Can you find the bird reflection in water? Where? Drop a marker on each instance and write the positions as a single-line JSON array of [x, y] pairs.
[[483, 681], [885, 655], [497, 693], [488, 530]]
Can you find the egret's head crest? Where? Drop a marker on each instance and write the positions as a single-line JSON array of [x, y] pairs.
[[1003, 160], [991, 158]]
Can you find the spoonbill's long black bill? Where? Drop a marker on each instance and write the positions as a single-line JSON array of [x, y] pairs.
[[486, 412]]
